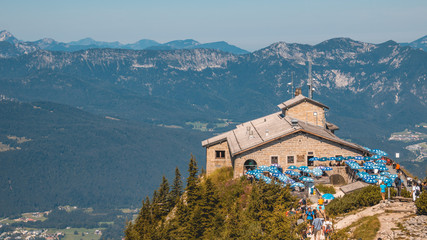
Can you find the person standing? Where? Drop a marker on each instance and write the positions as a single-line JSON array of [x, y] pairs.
[[327, 228], [321, 209], [382, 189], [397, 167], [317, 227], [303, 205], [398, 183], [309, 215], [415, 191]]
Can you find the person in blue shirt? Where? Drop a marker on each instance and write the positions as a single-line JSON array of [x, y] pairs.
[[309, 213], [382, 188]]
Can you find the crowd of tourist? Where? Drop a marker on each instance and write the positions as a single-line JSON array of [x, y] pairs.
[[318, 224]]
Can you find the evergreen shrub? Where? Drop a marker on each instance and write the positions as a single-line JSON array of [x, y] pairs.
[[421, 203], [365, 197]]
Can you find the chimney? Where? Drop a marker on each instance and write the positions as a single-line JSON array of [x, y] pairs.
[[294, 122], [297, 91]]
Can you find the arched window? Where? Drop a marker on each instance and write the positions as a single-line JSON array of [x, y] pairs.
[[249, 165]]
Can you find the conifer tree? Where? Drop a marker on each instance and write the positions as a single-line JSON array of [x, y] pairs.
[[176, 191], [232, 223], [195, 227], [179, 225], [162, 203], [143, 223], [192, 188], [208, 204], [130, 232]]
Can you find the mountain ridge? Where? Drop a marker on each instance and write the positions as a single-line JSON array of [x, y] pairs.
[[89, 43]]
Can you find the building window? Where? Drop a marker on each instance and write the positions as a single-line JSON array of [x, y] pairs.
[[274, 160], [291, 159], [249, 165], [219, 154]]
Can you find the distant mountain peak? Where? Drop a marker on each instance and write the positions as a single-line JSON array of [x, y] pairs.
[[47, 40], [84, 41], [186, 43], [389, 43], [420, 43], [7, 36]]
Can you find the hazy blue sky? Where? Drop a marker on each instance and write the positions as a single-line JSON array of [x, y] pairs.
[[250, 24]]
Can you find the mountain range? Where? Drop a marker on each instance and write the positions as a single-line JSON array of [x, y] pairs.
[[420, 43], [88, 43], [372, 90]]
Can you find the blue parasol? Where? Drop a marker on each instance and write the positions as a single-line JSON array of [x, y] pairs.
[[355, 166], [332, 159], [292, 173], [273, 169], [328, 196], [292, 167], [314, 159], [306, 179], [317, 172], [263, 168], [323, 168], [358, 158], [302, 167], [297, 184], [323, 159]]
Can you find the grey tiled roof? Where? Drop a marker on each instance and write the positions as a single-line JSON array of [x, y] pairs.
[[260, 131]]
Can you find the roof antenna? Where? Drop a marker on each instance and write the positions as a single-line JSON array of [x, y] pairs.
[[291, 84], [310, 80]]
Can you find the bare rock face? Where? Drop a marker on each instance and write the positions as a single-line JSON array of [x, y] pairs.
[[416, 227]]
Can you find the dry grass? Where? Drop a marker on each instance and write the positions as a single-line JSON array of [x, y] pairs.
[[365, 228]]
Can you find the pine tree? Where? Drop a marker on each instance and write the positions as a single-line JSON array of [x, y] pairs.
[[163, 200], [143, 224], [179, 225], [130, 232], [176, 191], [232, 225], [208, 205], [192, 188], [195, 226]]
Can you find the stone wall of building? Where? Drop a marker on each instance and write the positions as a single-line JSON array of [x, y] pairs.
[[339, 171], [212, 162], [307, 112], [299, 146]]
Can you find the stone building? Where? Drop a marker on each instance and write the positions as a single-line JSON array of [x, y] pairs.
[[289, 137]]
